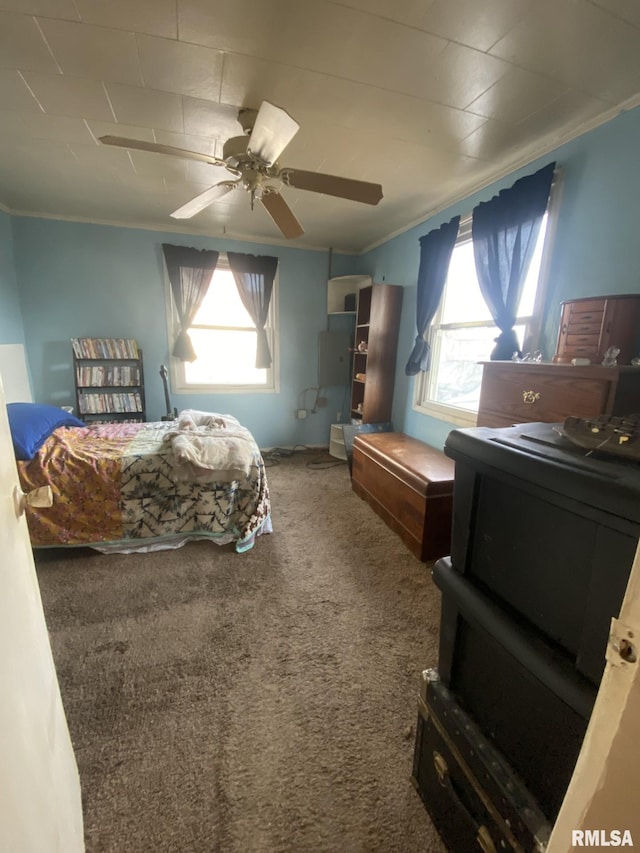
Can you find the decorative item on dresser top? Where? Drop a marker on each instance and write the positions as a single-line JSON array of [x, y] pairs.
[[109, 379], [522, 392], [588, 327]]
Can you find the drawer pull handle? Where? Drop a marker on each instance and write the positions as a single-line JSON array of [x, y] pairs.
[[483, 836], [530, 397]]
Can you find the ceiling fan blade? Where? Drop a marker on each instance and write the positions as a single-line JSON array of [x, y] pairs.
[[156, 148], [282, 215], [203, 200], [348, 188], [272, 132]]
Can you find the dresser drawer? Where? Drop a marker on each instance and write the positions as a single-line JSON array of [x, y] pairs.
[[582, 340], [576, 323], [512, 396], [586, 307], [581, 351]]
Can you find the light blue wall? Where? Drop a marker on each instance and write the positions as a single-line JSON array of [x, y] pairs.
[[596, 249], [11, 329], [94, 280]]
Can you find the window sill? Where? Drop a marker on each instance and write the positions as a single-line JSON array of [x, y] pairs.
[[450, 414]]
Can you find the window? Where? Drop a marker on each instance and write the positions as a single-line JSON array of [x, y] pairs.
[[462, 333], [224, 338]]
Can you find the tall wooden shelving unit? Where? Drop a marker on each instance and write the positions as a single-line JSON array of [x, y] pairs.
[[109, 380], [375, 349]]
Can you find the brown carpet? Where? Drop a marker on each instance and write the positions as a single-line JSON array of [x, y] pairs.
[[254, 703]]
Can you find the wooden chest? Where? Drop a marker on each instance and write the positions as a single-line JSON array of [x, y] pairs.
[[410, 486], [525, 392]]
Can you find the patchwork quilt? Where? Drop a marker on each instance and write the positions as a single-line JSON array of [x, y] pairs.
[[123, 487]]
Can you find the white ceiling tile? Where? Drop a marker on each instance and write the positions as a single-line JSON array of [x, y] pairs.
[[384, 53], [145, 107], [99, 53], [516, 95], [102, 160], [155, 17], [460, 75], [541, 43], [65, 9], [15, 94], [315, 99], [477, 25], [186, 69], [70, 96], [410, 12], [628, 10], [247, 81], [21, 128], [22, 45], [495, 140], [41, 158], [138, 185], [552, 119], [380, 53], [105, 200], [241, 26], [577, 43]]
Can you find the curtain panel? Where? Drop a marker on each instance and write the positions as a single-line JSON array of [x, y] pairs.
[[190, 272], [254, 276], [436, 248], [504, 231]]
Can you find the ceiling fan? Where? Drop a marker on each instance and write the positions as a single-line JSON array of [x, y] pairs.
[[252, 160]]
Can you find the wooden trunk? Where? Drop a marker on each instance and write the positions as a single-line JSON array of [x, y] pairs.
[[410, 486], [475, 799]]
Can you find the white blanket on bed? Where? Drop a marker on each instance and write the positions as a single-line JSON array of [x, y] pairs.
[[211, 447]]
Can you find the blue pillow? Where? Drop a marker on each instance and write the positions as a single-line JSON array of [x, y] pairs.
[[31, 424]]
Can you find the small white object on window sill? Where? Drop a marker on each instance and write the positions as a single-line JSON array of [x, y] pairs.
[[580, 362]]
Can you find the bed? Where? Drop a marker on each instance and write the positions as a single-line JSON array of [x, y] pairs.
[[130, 487]]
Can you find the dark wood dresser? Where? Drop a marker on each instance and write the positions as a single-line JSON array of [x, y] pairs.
[[523, 392]]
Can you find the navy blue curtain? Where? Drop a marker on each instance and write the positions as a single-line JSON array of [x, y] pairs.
[[435, 255], [254, 276], [190, 273], [504, 232]]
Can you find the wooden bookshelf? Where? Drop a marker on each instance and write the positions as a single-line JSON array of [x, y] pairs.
[[109, 379], [374, 356]]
